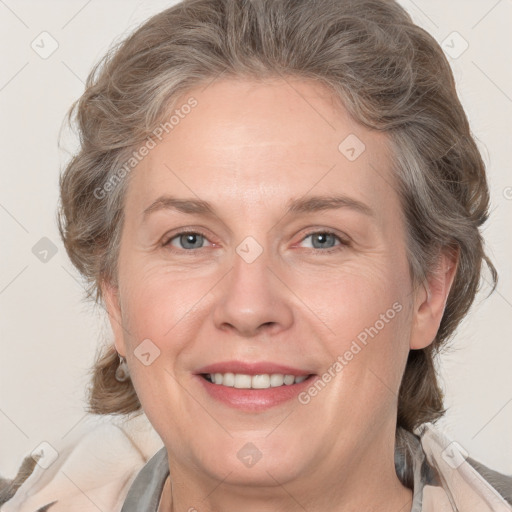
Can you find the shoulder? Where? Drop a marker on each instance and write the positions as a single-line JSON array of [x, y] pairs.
[[460, 482], [92, 470]]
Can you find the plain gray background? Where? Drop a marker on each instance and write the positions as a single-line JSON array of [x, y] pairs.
[[49, 334]]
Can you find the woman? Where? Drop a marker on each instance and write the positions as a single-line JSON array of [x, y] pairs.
[[279, 204]]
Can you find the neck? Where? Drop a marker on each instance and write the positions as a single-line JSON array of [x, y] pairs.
[[367, 481]]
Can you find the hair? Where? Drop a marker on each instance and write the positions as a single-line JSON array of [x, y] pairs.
[[389, 74]]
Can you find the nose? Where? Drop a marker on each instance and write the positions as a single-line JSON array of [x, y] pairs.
[[253, 300]]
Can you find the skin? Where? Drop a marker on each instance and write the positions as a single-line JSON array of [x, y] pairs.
[[248, 148]]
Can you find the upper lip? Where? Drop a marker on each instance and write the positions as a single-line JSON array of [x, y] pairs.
[[255, 368]]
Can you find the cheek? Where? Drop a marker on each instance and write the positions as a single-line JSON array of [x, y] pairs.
[[159, 300], [367, 310], [353, 296]]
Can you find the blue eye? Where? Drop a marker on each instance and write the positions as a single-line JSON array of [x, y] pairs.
[[324, 240], [187, 240]]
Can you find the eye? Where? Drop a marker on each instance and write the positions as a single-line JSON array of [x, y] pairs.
[[187, 240], [325, 240]]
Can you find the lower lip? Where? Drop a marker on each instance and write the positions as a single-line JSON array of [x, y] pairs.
[[254, 399]]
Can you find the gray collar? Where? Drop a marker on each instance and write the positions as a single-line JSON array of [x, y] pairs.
[[145, 491], [411, 465]]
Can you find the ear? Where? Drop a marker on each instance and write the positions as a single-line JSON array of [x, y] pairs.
[[430, 300], [110, 294]]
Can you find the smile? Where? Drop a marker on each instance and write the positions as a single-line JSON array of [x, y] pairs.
[[262, 381]]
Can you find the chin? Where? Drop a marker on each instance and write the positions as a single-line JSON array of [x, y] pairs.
[[254, 461]]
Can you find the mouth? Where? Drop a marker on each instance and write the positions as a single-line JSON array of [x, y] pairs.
[[253, 386], [259, 381]]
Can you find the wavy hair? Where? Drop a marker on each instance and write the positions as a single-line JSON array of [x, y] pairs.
[[390, 75]]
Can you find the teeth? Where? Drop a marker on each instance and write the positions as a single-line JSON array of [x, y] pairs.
[[276, 380], [289, 379], [263, 381], [242, 381]]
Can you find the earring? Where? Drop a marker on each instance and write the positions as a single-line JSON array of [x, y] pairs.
[[122, 371]]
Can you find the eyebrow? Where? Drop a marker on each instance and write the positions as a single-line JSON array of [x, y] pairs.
[[302, 205], [317, 203]]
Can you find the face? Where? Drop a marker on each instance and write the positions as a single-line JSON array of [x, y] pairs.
[[263, 248]]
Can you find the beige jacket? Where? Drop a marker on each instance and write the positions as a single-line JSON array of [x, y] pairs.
[[95, 469]]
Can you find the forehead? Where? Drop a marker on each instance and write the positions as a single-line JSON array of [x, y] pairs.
[[248, 143]]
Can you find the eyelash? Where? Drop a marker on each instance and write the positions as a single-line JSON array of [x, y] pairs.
[[343, 242]]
